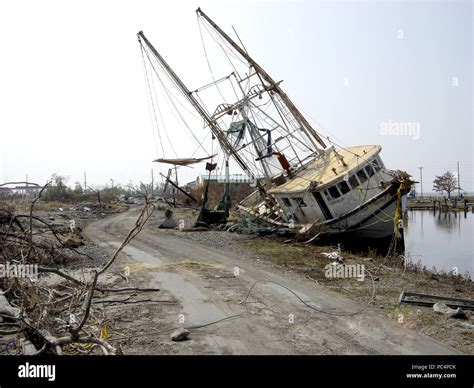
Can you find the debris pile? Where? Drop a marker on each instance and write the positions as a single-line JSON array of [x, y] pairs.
[[247, 226], [45, 307]]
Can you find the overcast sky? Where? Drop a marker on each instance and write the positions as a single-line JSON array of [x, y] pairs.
[[73, 96]]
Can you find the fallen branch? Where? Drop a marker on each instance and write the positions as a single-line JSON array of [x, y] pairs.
[[75, 331], [127, 289], [40, 306], [60, 273], [31, 216], [139, 224], [106, 348]]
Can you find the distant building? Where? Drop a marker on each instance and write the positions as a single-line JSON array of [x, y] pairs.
[[6, 191], [25, 191]]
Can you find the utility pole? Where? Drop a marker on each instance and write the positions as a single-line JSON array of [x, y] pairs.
[[459, 183], [176, 177], [85, 183], [152, 182], [112, 188], [421, 180]]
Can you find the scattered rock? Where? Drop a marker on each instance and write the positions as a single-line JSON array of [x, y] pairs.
[[441, 308], [169, 222], [179, 335]]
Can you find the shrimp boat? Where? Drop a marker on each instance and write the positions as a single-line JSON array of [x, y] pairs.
[[302, 180]]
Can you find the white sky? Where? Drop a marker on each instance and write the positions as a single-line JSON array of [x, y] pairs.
[[73, 96]]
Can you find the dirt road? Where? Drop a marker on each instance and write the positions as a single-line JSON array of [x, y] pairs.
[[204, 283]]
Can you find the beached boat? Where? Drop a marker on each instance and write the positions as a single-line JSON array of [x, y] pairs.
[[302, 180]]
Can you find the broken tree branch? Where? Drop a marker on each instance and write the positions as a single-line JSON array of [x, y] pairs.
[[75, 331], [145, 214]]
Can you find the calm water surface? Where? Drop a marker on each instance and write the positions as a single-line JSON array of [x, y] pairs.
[[440, 239]]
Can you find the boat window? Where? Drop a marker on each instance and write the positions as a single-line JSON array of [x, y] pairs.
[[370, 171], [344, 187], [334, 192], [300, 201], [286, 201], [376, 164], [327, 195], [361, 175], [380, 162], [353, 181]]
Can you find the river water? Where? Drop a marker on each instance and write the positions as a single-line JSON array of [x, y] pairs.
[[443, 240]]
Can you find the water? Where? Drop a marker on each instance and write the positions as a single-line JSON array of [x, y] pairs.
[[443, 240]]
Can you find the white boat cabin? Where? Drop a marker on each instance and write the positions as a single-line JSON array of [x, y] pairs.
[[332, 185]]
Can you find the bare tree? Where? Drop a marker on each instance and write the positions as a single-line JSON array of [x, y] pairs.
[[445, 183]]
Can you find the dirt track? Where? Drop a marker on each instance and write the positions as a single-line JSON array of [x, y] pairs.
[[198, 286]]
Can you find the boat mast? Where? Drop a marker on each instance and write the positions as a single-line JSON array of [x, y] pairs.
[[305, 126], [188, 94]]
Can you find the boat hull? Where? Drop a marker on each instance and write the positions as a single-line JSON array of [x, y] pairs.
[[374, 219]]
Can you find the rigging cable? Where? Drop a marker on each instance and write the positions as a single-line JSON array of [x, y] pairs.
[[207, 60], [152, 104], [161, 118], [176, 110]]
